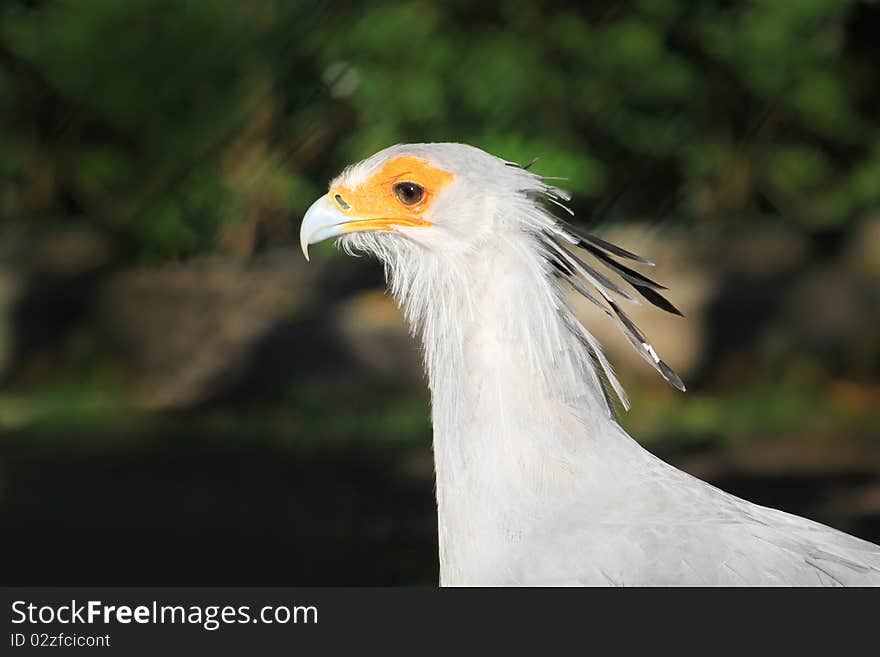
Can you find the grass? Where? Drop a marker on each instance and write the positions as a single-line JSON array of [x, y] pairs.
[[313, 484]]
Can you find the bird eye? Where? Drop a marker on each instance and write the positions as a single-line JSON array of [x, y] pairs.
[[409, 193]]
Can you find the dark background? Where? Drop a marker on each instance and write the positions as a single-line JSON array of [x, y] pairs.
[[184, 400]]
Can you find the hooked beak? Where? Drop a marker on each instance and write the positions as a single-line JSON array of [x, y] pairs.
[[324, 220]]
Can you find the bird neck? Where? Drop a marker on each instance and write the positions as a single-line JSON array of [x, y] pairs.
[[516, 402]]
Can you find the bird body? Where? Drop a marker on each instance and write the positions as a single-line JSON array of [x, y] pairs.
[[537, 483]]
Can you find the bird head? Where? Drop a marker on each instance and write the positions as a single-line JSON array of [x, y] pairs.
[[460, 205], [439, 196]]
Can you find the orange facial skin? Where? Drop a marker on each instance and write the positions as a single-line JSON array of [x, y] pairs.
[[373, 205]]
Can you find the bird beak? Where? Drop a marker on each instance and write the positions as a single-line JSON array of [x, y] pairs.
[[322, 221], [325, 220]]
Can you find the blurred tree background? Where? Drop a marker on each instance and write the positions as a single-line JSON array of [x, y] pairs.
[[184, 400]]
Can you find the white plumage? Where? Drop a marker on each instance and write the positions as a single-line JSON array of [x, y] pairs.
[[537, 484]]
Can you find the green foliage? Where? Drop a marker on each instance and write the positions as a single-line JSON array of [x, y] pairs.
[[168, 122]]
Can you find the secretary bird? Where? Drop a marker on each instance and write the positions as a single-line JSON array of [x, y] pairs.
[[537, 483]]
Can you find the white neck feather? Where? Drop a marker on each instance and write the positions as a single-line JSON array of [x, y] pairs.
[[517, 406]]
